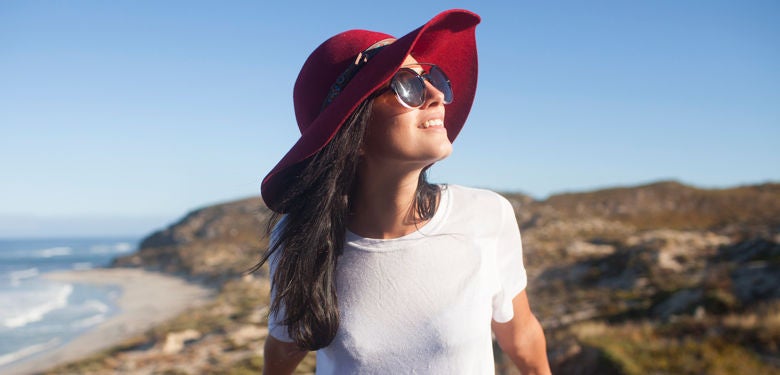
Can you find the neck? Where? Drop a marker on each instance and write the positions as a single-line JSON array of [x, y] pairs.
[[383, 204]]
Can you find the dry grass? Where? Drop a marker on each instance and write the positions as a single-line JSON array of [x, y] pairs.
[[672, 205], [646, 348]]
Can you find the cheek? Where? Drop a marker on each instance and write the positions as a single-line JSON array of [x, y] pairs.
[[382, 136], [387, 128]]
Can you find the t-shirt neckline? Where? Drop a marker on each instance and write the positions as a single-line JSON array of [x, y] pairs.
[[430, 227]]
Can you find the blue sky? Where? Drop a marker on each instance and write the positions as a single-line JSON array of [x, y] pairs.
[[119, 117]]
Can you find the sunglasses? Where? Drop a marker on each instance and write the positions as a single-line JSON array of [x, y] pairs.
[[410, 89]]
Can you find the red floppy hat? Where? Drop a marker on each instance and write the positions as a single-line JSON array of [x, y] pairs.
[[447, 40]]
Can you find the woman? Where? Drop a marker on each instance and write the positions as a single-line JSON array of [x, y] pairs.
[[372, 266]]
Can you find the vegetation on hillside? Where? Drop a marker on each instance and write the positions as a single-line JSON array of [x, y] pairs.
[[660, 278]]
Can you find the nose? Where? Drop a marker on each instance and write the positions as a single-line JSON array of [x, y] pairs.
[[433, 97]]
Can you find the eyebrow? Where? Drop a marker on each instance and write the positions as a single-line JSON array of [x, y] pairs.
[[421, 71]]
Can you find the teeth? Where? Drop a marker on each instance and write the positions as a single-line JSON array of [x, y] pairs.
[[435, 122]]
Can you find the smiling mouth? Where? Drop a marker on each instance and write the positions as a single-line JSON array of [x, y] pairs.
[[435, 123]]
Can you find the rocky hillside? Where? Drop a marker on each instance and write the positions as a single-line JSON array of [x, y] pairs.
[[746, 211], [660, 278], [623, 277], [212, 244]]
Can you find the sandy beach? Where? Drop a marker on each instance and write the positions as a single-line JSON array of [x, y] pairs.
[[147, 299]]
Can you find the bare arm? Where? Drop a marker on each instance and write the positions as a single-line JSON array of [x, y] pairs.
[[522, 338], [281, 358]]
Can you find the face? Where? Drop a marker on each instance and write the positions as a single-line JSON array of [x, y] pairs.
[[408, 136]]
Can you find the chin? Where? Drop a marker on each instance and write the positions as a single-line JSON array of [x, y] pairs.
[[440, 157], [446, 151]]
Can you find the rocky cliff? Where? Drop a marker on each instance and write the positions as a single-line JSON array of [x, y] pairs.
[[659, 278], [212, 244]]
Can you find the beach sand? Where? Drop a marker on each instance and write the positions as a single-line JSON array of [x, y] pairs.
[[147, 299]]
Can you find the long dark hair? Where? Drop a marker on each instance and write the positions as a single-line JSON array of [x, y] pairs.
[[310, 237]]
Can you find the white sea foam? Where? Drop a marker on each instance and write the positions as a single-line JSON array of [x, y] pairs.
[[53, 252], [88, 322], [96, 308], [96, 305], [117, 248], [28, 351], [100, 249], [123, 247], [17, 276], [21, 309]]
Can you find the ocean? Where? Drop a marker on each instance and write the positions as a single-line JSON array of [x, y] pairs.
[[37, 314]]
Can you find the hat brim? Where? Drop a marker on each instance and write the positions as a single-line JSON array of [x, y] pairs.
[[447, 40]]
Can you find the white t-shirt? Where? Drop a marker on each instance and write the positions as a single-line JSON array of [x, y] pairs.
[[422, 303]]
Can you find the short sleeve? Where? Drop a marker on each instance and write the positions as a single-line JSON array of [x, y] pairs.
[[275, 326], [512, 277]]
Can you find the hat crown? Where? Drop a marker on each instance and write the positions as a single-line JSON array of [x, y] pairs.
[[323, 68]]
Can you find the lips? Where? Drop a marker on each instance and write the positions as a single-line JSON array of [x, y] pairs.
[[433, 123]]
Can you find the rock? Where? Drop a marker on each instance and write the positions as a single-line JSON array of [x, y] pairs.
[[175, 341], [700, 313], [680, 302], [246, 334], [758, 249], [676, 250], [757, 281], [583, 249]]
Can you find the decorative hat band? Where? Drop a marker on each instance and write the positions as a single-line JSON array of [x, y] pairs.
[[360, 61]]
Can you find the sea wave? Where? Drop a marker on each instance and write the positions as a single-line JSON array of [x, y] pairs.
[[25, 309], [96, 305], [88, 322], [28, 351], [123, 247], [17, 276], [53, 252], [117, 248]]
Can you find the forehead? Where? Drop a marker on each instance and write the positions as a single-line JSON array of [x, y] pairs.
[[412, 61]]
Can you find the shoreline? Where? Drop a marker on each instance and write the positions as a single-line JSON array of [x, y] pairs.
[[147, 299]]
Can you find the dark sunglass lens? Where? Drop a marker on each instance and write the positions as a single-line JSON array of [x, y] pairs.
[[439, 80], [409, 88]]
